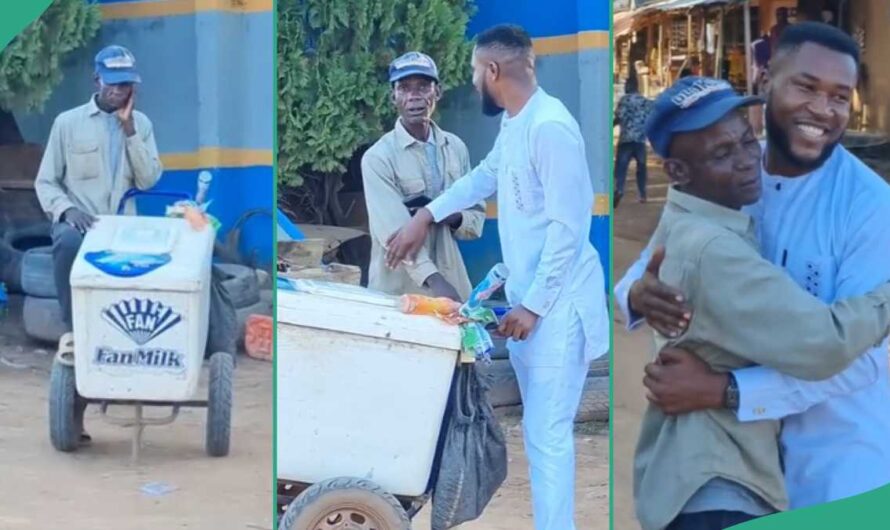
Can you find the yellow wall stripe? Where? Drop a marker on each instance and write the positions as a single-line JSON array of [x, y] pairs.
[[601, 205], [218, 157], [164, 8], [585, 40]]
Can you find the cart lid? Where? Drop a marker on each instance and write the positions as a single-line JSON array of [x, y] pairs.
[[359, 311], [143, 253]]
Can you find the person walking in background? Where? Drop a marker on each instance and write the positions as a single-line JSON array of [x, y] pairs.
[[775, 33], [630, 116]]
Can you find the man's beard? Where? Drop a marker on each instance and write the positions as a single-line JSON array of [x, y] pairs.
[[778, 139], [489, 106]]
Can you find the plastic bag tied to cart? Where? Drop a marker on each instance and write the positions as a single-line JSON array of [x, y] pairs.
[[472, 317], [473, 462]]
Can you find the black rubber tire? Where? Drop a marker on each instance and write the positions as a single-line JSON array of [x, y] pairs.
[[219, 404], [42, 319], [504, 389], [241, 284], [594, 401], [599, 368], [64, 433], [11, 268], [316, 503], [30, 236], [38, 278]]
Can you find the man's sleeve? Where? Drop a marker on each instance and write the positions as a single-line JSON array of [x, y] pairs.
[[568, 196], [622, 289], [754, 310], [48, 184], [387, 213], [768, 394], [478, 185], [473, 218], [142, 153]]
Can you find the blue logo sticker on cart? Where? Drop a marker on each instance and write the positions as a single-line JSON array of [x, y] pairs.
[[126, 265], [141, 319]]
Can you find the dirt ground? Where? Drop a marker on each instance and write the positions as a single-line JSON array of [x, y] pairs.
[[511, 509], [98, 488], [633, 224]]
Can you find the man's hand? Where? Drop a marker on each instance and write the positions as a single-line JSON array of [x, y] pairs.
[[125, 114], [518, 324], [441, 288], [79, 219], [662, 306], [407, 242], [453, 221], [679, 382]]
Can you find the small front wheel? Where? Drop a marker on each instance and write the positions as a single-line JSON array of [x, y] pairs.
[[219, 404], [64, 432], [345, 503]]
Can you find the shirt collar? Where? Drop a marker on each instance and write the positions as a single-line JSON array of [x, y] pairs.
[[92, 107], [405, 140], [734, 220]]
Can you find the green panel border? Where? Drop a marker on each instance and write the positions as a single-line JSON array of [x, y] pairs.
[[17, 15]]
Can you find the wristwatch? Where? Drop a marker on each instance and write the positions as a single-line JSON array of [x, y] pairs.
[[731, 394]]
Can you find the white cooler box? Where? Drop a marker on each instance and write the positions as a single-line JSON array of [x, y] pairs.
[[142, 337], [362, 388]]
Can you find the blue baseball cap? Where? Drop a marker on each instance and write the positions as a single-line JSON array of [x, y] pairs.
[[115, 65], [413, 63], [691, 104]]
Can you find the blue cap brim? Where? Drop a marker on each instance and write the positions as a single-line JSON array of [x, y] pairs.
[[402, 74], [708, 115], [116, 78]]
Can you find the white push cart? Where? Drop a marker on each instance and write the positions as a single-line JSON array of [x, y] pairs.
[[362, 393], [140, 300]]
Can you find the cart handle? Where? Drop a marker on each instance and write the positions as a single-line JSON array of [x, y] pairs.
[[135, 192]]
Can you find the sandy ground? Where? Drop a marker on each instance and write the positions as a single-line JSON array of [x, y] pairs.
[[511, 509], [633, 224], [98, 488]]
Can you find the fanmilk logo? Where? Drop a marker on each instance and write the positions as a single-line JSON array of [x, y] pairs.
[[141, 319]]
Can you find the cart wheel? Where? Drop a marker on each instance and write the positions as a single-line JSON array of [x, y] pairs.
[[345, 503], [219, 404], [63, 430]]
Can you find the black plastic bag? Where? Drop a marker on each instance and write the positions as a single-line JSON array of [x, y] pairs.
[[473, 464], [222, 328]]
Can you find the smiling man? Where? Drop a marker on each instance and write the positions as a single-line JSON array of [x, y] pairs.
[[823, 216], [408, 167], [723, 471]]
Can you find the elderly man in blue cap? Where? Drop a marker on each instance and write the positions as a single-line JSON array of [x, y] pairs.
[[403, 171], [747, 312], [94, 154]]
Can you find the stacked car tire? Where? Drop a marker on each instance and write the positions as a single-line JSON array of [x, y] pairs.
[[504, 389], [249, 294]]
